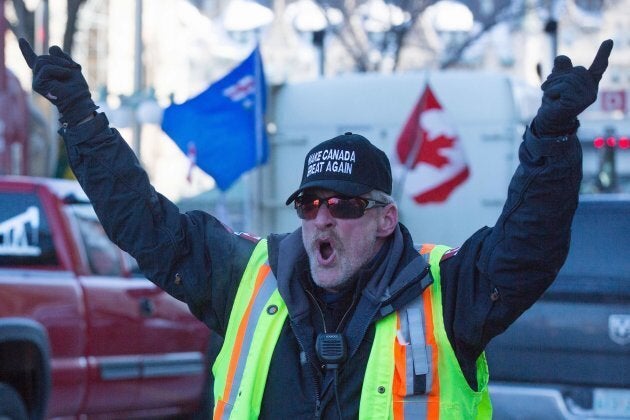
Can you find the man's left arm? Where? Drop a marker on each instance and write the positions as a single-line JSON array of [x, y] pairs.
[[502, 271]]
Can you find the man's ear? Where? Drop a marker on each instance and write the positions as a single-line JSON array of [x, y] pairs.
[[387, 221]]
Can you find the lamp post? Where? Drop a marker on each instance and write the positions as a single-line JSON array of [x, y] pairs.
[[308, 17], [246, 15], [137, 77], [41, 40], [3, 29], [244, 19], [451, 21]]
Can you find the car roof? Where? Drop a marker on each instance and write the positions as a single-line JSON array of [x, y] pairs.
[[65, 189]]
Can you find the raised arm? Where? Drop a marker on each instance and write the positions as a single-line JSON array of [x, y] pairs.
[[530, 241], [501, 271], [192, 256]]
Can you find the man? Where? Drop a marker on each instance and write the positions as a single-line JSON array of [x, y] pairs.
[[344, 317]]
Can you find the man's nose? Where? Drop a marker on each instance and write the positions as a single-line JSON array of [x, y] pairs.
[[324, 218]]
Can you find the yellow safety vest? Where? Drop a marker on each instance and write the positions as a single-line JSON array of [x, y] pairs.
[[409, 344]]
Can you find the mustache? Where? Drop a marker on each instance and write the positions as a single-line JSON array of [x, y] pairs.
[[326, 236], [329, 236]]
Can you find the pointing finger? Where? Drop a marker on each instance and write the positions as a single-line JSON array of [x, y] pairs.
[[27, 52], [600, 63]]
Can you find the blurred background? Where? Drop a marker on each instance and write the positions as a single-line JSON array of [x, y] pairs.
[[446, 88], [140, 57]]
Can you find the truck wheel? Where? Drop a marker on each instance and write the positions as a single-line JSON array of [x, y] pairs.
[[11, 404]]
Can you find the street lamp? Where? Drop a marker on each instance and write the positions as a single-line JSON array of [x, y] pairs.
[[451, 22], [148, 111], [139, 108], [381, 21], [306, 16], [380, 17], [244, 17]]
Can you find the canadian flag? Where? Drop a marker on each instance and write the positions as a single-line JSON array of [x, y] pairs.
[[431, 153]]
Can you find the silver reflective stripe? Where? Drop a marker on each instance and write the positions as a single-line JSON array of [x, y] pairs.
[[415, 404], [418, 353], [267, 288], [416, 407], [418, 345], [404, 340]]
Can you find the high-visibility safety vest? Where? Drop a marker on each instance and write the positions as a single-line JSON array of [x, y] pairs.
[[412, 371]]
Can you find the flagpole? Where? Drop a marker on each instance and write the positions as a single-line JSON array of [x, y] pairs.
[[258, 112], [414, 151], [252, 197], [221, 210]]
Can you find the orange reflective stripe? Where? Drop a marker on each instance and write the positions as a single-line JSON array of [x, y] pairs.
[[433, 408], [421, 348], [400, 354], [236, 351], [400, 376], [426, 248], [218, 410]]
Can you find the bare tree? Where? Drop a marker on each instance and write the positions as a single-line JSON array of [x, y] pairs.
[[53, 157], [24, 25], [500, 11], [360, 44], [71, 23]]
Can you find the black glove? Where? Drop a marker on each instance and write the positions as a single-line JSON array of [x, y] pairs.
[[568, 91], [58, 78]]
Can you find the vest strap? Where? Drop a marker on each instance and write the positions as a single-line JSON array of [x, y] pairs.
[[255, 323], [420, 352]]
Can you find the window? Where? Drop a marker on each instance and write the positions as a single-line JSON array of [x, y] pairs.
[[103, 256], [132, 265], [25, 235]]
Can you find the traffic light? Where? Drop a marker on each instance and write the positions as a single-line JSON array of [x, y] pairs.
[[608, 145], [622, 142]]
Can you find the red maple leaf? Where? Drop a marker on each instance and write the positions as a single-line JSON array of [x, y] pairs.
[[430, 151]]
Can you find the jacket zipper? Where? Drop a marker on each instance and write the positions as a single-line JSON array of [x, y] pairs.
[[315, 379], [321, 313], [318, 403], [318, 407]]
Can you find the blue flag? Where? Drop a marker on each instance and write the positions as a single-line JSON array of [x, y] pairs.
[[222, 129]]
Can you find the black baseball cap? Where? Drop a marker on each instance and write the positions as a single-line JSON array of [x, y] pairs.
[[348, 164]]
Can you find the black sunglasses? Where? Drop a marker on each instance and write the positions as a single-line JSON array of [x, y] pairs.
[[307, 206]]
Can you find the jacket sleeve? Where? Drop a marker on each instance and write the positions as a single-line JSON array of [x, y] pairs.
[[191, 256], [501, 271]]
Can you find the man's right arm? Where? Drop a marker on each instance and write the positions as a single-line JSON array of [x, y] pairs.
[[192, 256]]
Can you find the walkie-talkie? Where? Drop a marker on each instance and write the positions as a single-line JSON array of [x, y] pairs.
[[331, 349]]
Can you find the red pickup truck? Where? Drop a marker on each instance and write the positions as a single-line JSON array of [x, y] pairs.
[[82, 333]]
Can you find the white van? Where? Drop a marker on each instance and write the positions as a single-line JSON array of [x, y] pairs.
[[488, 112]]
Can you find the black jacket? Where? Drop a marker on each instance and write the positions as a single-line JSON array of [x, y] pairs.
[[486, 284]]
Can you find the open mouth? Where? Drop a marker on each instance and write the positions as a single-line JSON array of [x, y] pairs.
[[326, 252]]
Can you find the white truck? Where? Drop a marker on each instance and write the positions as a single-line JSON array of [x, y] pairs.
[[487, 111]]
